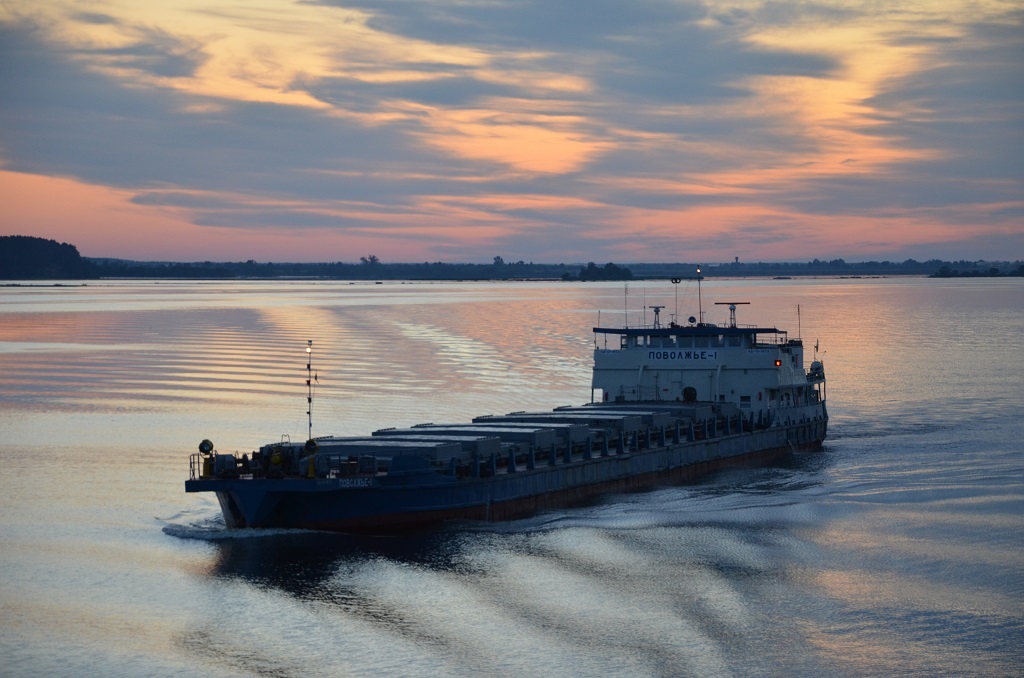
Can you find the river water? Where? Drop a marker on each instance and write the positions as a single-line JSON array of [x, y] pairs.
[[895, 551]]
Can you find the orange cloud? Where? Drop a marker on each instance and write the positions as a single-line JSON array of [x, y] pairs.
[[531, 143], [676, 170]]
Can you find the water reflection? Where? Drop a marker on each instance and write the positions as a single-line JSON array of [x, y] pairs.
[[383, 349], [301, 563], [675, 595], [899, 543]]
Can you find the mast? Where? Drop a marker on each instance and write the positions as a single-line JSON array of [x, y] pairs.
[[625, 304], [675, 286], [700, 304], [309, 386]]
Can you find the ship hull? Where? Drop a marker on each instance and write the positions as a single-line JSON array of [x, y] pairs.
[[389, 505]]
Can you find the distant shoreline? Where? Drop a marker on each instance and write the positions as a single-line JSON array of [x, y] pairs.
[[523, 271], [399, 281], [31, 258]]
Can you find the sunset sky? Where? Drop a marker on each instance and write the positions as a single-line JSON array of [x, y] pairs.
[[548, 131]]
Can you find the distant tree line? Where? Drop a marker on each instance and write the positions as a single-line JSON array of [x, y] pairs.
[[369, 268], [372, 268], [29, 258], [592, 272], [23, 257], [970, 270], [840, 267]]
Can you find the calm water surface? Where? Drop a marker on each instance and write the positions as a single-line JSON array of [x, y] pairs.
[[896, 551]]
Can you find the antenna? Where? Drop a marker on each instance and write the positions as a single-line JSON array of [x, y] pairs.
[[799, 334], [700, 304], [309, 386], [675, 286], [625, 305]]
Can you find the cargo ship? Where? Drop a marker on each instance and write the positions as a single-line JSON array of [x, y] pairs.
[[669, 403]]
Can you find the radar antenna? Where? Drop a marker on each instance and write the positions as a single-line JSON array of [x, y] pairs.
[[732, 309], [657, 315]]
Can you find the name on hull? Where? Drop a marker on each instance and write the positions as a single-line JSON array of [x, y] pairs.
[[355, 482], [682, 355]]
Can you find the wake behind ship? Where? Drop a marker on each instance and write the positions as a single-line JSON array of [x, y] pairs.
[[669, 403]]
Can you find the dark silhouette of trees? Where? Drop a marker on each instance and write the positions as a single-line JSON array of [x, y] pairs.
[[24, 257], [29, 258], [609, 271]]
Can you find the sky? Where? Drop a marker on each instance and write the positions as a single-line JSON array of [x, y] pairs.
[[550, 131]]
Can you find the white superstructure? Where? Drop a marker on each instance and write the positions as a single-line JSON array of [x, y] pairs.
[[758, 369]]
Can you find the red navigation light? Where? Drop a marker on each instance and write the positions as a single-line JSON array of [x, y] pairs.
[[778, 363]]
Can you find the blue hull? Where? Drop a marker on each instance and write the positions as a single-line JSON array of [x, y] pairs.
[[400, 503]]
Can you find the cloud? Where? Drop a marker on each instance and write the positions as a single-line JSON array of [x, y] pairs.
[[969, 103], [61, 117], [535, 130], [156, 52]]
